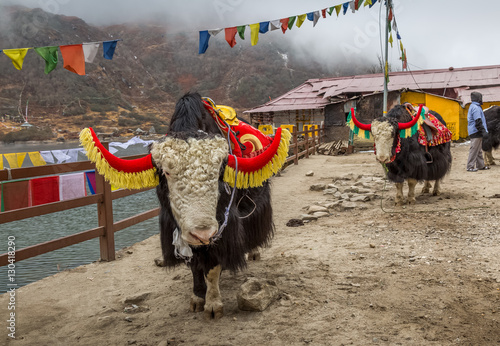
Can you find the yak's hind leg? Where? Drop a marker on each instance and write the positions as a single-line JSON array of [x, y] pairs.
[[411, 190], [254, 255], [214, 308], [427, 187], [488, 158], [399, 194], [436, 191]]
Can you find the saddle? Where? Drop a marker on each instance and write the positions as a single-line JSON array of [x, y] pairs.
[[432, 132]]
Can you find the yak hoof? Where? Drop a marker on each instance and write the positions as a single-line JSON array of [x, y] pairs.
[[411, 201], [214, 310], [254, 255], [425, 190], [436, 193], [399, 203], [196, 304]]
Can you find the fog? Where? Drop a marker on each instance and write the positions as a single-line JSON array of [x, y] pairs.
[[435, 33]]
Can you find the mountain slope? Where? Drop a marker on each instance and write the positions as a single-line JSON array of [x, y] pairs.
[[150, 70]]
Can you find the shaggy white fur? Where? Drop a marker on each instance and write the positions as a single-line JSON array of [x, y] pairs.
[[192, 170], [382, 133]]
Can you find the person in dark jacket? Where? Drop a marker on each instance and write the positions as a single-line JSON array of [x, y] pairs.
[[476, 126]]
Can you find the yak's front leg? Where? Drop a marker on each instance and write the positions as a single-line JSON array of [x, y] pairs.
[[199, 290], [213, 302], [399, 194], [411, 190]]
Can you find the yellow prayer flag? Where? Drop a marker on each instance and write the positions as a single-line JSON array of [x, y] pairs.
[[20, 159], [254, 30], [17, 56], [36, 158], [1, 162], [337, 9], [390, 39], [300, 20], [12, 160], [401, 45], [368, 2]]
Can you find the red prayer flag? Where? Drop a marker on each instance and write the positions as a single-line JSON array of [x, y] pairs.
[[73, 58], [230, 35], [356, 4], [16, 195], [323, 12], [284, 24], [44, 190]]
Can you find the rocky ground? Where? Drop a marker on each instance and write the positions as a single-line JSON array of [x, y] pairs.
[[350, 269]]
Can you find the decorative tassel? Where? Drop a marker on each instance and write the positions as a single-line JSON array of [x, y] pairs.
[[257, 178], [407, 133], [356, 130], [119, 179]]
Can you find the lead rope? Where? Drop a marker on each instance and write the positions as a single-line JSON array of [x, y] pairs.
[[226, 213]]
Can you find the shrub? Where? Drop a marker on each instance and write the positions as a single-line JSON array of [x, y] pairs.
[[30, 134]]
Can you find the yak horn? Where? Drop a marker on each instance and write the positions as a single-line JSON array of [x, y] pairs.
[[404, 126], [129, 174], [366, 127]]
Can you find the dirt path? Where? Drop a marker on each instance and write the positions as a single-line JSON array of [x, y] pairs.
[[422, 275]]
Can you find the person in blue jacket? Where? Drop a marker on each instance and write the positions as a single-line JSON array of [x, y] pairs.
[[476, 127]]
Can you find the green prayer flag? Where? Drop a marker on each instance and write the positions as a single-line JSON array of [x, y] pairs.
[[49, 54], [291, 20], [330, 10], [241, 31]]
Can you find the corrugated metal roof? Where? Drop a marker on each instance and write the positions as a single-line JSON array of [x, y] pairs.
[[315, 93]]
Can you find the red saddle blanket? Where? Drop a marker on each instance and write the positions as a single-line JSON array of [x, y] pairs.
[[441, 136]]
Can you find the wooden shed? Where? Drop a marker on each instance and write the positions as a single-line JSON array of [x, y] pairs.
[[328, 101]]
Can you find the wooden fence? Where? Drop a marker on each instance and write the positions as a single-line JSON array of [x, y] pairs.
[[304, 143]]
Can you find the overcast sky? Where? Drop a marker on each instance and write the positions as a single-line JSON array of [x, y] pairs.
[[436, 33]]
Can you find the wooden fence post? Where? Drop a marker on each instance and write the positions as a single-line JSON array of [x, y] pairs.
[[306, 134], [314, 139], [105, 217], [295, 146]]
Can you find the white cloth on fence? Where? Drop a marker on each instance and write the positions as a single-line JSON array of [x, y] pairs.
[[72, 186]]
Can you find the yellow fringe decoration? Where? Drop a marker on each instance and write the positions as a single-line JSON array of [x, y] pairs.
[[119, 179], [246, 180]]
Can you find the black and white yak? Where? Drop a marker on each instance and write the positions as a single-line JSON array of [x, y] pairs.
[[212, 223], [492, 139], [405, 158]]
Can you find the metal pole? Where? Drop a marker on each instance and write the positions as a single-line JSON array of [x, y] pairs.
[[386, 64]]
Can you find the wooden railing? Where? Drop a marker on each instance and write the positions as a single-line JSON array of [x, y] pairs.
[[306, 140], [305, 143], [103, 198]]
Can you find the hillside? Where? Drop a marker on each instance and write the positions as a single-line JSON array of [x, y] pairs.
[[151, 68]]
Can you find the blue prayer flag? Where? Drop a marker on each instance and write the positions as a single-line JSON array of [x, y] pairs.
[[108, 48], [204, 37], [264, 27], [345, 5], [310, 16]]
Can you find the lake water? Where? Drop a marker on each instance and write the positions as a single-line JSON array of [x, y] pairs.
[[52, 226]]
